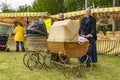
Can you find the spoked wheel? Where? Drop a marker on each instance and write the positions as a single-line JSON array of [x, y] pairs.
[[41, 61], [26, 57], [62, 61], [85, 67], [35, 61], [71, 71], [48, 61]]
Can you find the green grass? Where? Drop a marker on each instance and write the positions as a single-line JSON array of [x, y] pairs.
[[12, 68]]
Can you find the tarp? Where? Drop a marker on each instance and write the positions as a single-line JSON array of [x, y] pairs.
[[27, 17], [114, 12], [23, 17], [30, 16], [37, 28], [70, 14], [5, 29]]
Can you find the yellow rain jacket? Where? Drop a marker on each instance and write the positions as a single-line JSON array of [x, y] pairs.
[[19, 33]]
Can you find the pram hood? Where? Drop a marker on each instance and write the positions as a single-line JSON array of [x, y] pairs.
[[6, 30], [64, 31], [37, 27]]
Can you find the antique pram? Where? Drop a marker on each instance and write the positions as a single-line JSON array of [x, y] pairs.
[[69, 48], [36, 37]]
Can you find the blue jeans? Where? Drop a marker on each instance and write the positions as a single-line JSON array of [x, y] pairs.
[[22, 46]]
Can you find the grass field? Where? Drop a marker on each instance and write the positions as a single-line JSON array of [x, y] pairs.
[[12, 68]]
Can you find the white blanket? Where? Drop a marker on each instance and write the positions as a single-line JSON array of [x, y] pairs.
[[82, 39]]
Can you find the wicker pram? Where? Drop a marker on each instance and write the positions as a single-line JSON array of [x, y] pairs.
[[63, 39], [70, 49]]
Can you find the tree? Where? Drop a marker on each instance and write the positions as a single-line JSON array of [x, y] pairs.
[[57, 6], [6, 7], [101, 3], [24, 8], [51, 6], [73, 5]]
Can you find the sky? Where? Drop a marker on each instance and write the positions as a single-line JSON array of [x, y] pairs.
[[15, 3]]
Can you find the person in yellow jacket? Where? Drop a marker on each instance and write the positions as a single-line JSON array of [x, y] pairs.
[[19, 36]]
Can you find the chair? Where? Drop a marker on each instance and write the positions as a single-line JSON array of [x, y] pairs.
[[110, 35], [117, 34], [100, 35]]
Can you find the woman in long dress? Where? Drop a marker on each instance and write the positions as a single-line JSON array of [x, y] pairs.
[[88, 28]]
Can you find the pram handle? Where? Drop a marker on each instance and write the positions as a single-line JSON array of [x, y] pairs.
[[87, 36]]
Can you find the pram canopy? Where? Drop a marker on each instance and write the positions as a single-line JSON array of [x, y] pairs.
[[5, 29], [66, 30], [37, 28]]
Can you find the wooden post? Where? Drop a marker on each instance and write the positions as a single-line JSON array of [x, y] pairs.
[[113, 24], [116, 3], [86, 2]]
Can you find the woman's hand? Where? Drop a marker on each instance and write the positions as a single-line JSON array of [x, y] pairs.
[[82, 35], [89, 35]]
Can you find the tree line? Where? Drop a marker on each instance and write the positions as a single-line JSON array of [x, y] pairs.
[[57, 6]]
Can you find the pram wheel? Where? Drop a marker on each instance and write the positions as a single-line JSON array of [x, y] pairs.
[[35, 60], [26, 57], [87, 67]]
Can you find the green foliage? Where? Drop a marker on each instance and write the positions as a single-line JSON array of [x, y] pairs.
[[73, 5], [104, 28], [51, 6], [24, 8], [6, 7], [57, 6], [109, 27], [104, 21], [101, 3]]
